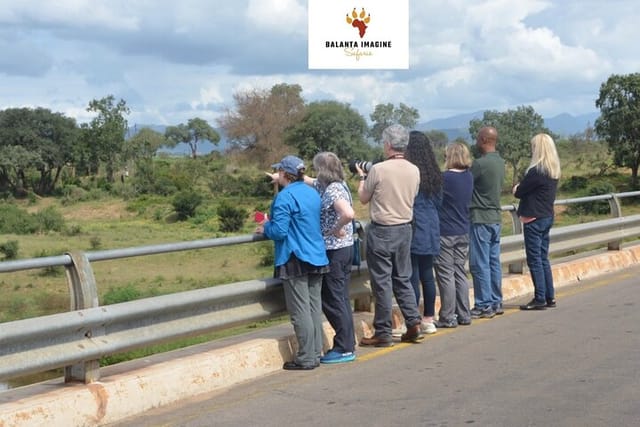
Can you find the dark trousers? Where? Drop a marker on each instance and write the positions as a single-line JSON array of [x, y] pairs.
[[422, 266], [389, 262], [336, 303]]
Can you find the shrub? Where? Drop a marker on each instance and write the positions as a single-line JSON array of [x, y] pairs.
[[16, 220], [600, 207], [95, 242], [120, 294], [574, 183], [10, 249], [266, 252], [73, 230], [186, 203], [49, 219], [231, 218], [51, 271]]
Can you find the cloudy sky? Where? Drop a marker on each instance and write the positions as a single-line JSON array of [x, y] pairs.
[[174, 60]]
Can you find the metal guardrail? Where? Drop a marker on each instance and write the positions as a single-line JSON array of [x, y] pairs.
[[76, 340]]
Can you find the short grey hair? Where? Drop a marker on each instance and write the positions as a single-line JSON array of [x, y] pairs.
[[397, 136]]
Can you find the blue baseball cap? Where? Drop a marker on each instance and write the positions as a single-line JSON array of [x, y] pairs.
[[290, 164]]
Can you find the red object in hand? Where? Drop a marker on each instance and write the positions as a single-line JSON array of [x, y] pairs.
[[259, 217]]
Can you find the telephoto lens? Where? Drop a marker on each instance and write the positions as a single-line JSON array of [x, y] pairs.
[[364, 165]]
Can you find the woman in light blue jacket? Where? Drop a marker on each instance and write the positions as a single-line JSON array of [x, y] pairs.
[[300, 258]]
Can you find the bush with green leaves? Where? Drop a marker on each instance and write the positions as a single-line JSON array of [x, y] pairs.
[[121, 294], [266, 253], [224, 184], [574, 183], [231, 218], [49, 219], [14, 220], [600, 207], [10, 249], [53, 270], [185, 204]]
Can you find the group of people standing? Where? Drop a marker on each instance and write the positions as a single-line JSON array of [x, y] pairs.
[[421, 220]]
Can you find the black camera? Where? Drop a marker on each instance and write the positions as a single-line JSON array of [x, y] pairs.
[[364, 165]]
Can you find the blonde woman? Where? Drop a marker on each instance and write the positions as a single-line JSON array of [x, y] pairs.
[[457, 188], [537, 192]]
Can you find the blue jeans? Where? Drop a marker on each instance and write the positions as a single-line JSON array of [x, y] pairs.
[[484, 264], [536, 245], [422, 266]]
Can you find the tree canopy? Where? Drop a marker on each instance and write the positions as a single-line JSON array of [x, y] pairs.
[[619, 121], [330, 126], [194, 132], [37, 139], [515, 130], [106, 132], [385, 115], [258, 121]]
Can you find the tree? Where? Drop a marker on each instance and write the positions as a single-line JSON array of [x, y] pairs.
[[194, 132], [259, 119], [515, 130], [330, 126], [437, 138], [619, 121], [37, 140], [144, 145], [106, 133], [385, 115]]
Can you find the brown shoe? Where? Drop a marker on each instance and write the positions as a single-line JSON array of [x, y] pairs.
[[375, 341], [413, 334]]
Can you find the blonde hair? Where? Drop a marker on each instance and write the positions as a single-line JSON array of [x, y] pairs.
[[457, 156], [544, 156]]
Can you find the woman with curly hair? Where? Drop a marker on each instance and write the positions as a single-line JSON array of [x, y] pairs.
[[425, 244]]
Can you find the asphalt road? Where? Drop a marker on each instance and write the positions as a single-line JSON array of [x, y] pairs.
[[575, 365]]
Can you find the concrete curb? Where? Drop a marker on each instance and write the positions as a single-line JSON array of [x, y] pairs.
[[134, 387]]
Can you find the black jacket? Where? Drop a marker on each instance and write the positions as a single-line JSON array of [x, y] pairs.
[[536, 192]]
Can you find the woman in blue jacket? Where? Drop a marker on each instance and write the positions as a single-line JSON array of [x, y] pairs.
[[300, 258], [537, 192], [425, 244]]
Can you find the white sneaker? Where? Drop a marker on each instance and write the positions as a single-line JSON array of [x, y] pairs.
[[399, 331], [428, 327]]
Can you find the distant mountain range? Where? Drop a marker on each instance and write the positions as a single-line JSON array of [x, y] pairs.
[[458, 126], [454, 127]]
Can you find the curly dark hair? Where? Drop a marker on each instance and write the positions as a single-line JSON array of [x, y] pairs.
[[420, 153]]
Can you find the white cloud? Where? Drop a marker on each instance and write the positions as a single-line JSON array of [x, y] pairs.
[[281, 16]]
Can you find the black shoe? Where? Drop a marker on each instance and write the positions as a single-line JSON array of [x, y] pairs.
[[293, 366], [551, 303], [446, 324], [499, 310], [464, 322], [534, 305]]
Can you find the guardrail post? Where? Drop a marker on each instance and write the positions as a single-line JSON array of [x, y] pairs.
[[84, 294], [516, 226], [616, 212]]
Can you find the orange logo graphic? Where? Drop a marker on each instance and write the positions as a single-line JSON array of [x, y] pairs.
[[361, 23]]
